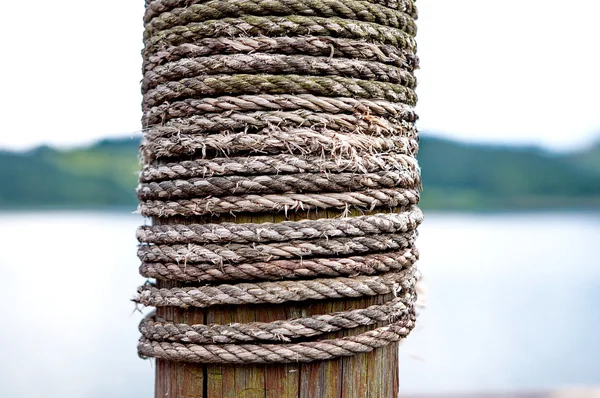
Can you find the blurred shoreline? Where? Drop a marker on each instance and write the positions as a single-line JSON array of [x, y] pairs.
[[456, 177]]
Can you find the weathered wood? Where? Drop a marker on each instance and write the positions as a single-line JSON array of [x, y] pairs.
[[373, 375]]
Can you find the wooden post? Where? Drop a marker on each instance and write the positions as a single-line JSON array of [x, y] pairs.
[[319, 81], [372, 375]]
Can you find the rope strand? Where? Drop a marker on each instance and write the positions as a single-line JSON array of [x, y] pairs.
[[276, 292], [283, 231], [278, 331], [370, 264], [330, 47]]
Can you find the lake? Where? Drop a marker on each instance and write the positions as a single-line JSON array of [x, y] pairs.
[[513, 304]]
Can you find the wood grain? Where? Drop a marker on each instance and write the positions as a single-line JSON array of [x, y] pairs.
[[372, 375]]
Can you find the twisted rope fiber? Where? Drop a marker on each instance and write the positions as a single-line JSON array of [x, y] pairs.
[[275, 165], [385, 223], [270, 107], [347, 9], [277, 331], [276, 64], [274, 140], [184, 269], [370, 264], [330, 47], [277, 292], [271, 26], [362, 200], [240, 253], [213, 85], [319, 350], [155, 8], [238, 185], [262, 102], [256, 121]]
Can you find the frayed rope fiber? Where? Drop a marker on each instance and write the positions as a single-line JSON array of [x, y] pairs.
[[286, 106]]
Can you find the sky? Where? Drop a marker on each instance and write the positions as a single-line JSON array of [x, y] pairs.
[[501, 71]]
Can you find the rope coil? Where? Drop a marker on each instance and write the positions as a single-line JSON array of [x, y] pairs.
[[330, 47], [282, 231], [278, 331], [279, 107]]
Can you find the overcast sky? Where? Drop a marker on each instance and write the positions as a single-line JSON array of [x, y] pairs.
[[509, 71]]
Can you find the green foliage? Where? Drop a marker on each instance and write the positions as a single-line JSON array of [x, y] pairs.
[[102, 175], [481, 176], [455, 175], [587, 160]]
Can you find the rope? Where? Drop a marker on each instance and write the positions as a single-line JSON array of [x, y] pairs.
[[215, 9], [283, 231], [277, 269], [305, 141], [155, 8], [279, 353], [259, 107], [212, 85], [277, 331], [252, 121], [273, 26], [270, 64], [362, 200], [182, 189], [277, 164], [330, 47], [261, 102], [276, 292], [237, 253]]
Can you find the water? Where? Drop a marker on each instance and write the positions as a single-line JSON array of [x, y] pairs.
[[513, 304]]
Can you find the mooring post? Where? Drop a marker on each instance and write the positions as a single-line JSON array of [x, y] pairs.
[[280, 173], [371, 375]]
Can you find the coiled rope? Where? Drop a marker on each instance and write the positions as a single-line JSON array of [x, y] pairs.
[[256, 107]]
